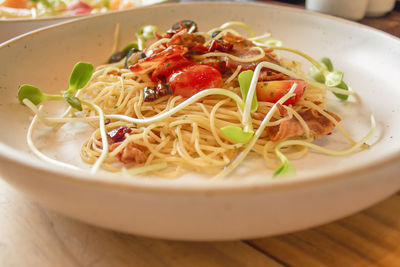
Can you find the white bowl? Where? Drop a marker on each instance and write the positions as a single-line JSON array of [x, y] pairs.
[[13, 27], [249, 203]]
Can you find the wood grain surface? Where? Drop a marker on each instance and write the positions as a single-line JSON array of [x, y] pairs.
[[31, 235]]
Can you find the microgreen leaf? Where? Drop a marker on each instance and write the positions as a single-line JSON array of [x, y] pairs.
[[129, 46], [333, 79], [273, 42], [322, 71], [80, 75], [329, 77], [236, 134], [30, 92], [343, 86], [73, 101], [327, 63], [147, 32], [285, 169], [244, 82], [316, 74]]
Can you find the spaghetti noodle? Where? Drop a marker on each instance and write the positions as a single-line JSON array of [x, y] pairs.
[[183, 104]]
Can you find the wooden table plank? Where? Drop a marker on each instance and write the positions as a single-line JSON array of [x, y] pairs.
[[44, 238], [34, 236], [369, 238], [390, 23]]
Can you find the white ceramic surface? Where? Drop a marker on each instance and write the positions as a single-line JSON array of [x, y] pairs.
[[377, 8], [354, 9], [248, 204], [10, 28]]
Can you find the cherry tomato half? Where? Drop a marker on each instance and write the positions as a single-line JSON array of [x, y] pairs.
[[168, 66], [193, 79], [272, 91]]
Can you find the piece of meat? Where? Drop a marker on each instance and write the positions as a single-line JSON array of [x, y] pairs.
[[193, 42], [218, 45], [131, 153], [242, 48], [318, 124], [150, 63], [271, 75]]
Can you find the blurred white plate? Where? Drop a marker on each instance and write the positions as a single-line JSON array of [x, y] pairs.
[[249, 203], [12, 27]]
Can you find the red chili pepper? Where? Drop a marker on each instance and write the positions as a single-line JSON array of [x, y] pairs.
[[118, 134]]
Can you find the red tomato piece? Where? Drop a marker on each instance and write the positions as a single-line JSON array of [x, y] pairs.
[[168, 66], [272, 91], [219, 65], [193, 79]]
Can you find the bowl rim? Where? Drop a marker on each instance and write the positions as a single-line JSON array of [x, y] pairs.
[[307, 178]]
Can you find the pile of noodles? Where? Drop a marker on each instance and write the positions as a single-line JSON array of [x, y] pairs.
[[188, 137]]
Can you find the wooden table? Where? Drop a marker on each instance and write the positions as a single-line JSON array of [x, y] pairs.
[[31, 235]]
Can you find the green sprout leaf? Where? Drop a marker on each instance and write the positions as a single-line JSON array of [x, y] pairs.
[[34, 95], [244, 82], [327, 63], [73, 101], [329, 77], [30, 92], [333, 79], [322, 71], [236, 134], [129, 46], [317, 75], [343, 86], [273, 42], [285, 169], [147, 32], [80, 76]]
